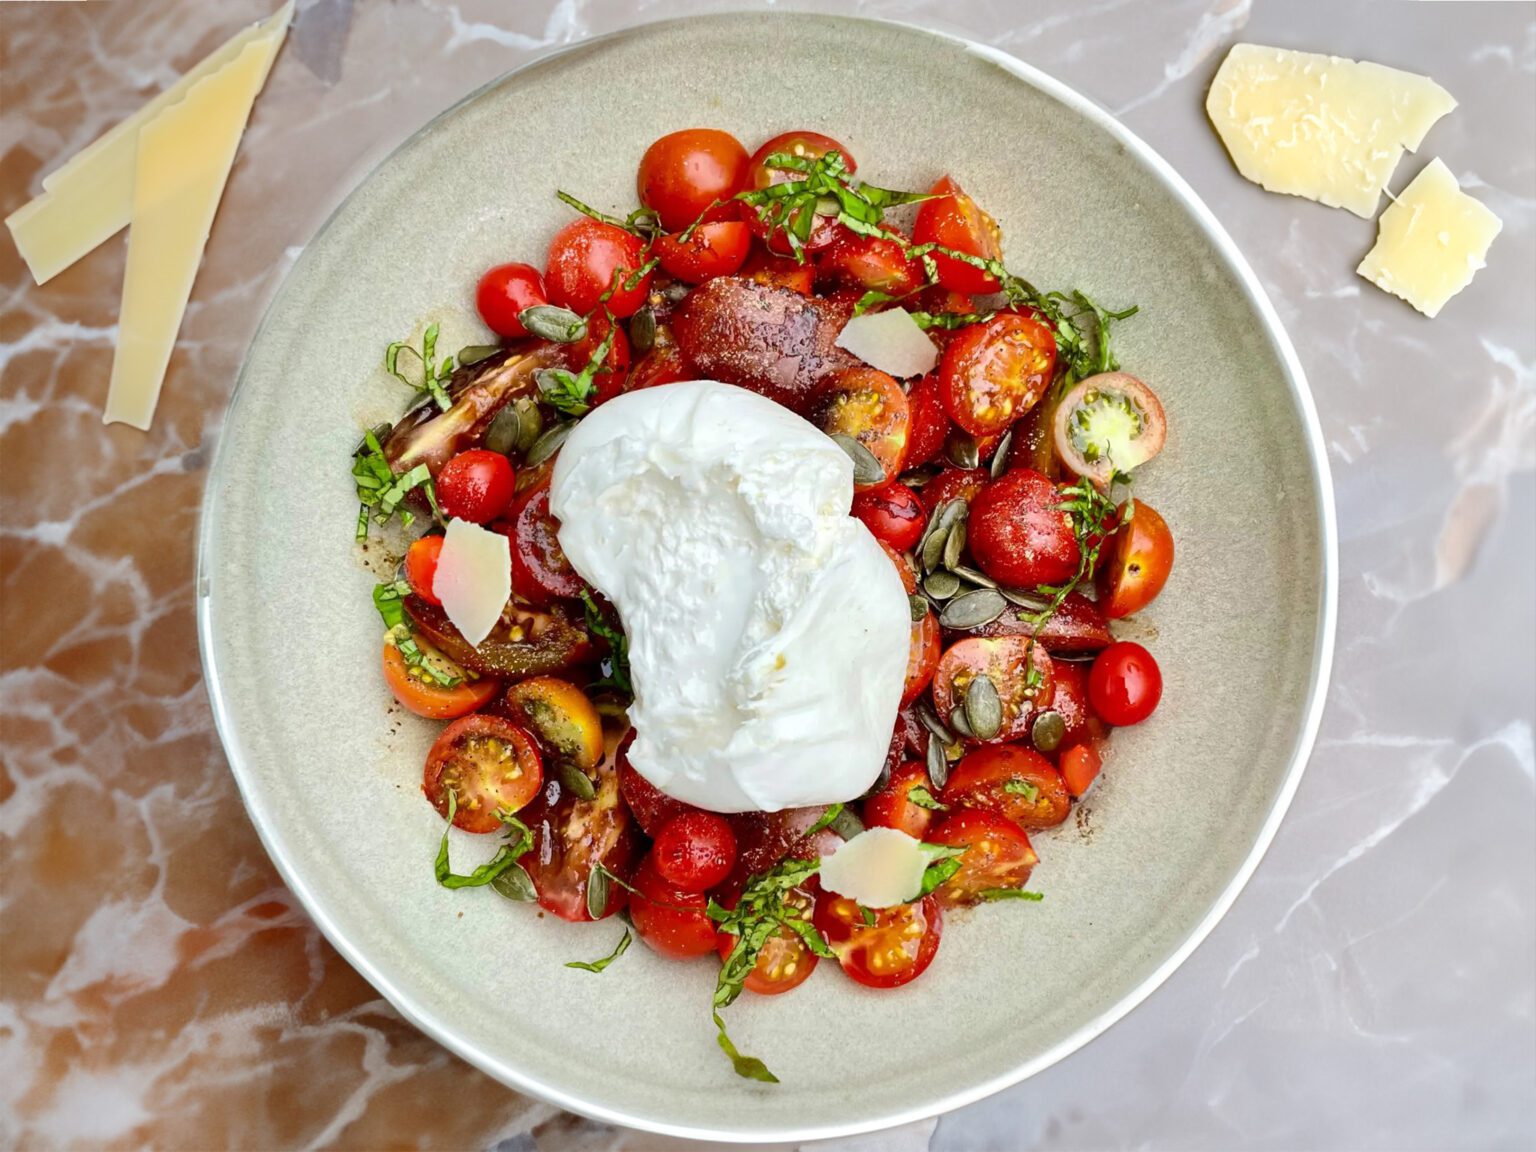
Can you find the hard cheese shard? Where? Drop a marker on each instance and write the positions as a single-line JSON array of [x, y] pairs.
[[1430, 241], [90, 198], [1321, 127], [473, 578]]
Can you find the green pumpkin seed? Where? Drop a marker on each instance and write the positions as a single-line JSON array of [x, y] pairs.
[[929, 719], [531, 426], [938, 765], [941, 585], [642, 329], [954, 547], [962, 450], [866, 469], [515, 884], [973, 576], [919, 608], [932, 552], [505, 430], [960, 724], [549, 443], [1000, 457], [1024, 599], [597, 892], [973, 610], [983, 708], [847, 824], [1048, 730], [549, 322], [474, 353], [575, 781]]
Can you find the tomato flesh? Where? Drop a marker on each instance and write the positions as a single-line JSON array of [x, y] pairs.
[[1080, 765], [893, 807], [870, 407], [422, 695], [923, 657], [1011, 781], [421, 567], [895, 950], [785, 962], [489, 764], [476, 485], [609, 381], [953, 484], [586, 258], [953, 220], [996, 371], [562, 719], [1018, 533], [504, 292], [674, 923], [763, 267], [540, 570], [694, 851], [997, 855], [1005, 660], [1136, 563], [683, 173], [1106, 424], [868, 264], [928, 425], [571, 836], [893, 514], [651, 807], [1125, 684]]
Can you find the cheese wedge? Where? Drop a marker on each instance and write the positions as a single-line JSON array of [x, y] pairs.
[[473, 578], [879, 867], [1321, 127], [1431, 241], [90, 197], [184, 158]]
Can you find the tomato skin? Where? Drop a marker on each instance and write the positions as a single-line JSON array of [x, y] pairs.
[[1125, 684], [570, 837], [1095, 449], [476, 485], [891, 808], [785, 962], [583, 259], [663, 364], [922, 657], [1070, 701], [1003, 660], [869, 406], [651, 807], [998, 855], [1080, 765], [713, 250], [953, 484], [895, 950], [429, 700], [868, 264], [694, 851], [763, 267], [504, 292], [683, 173], [928, 426], [540, 571], [809, 146], [996, 371], [674, 923], [609, 382], [421, 566], [1018, 534], [560, 717], [1135, 563], [981, 778], [953, 220], [468, 759], [893, 514]]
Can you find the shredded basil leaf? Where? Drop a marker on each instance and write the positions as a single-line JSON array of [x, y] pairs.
[[994, 894], [519, 840], [599, 965], [430, 374], [616, 664], [919, 795], [827, 818], [747, 1067]]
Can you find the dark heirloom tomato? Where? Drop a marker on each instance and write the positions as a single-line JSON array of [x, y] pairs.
[[504, 292], [663, 364], [997, 855], [571, 836], [786, 961], [1034, 443], [870, 407], [652, 807], [763, 839], [893, 514], [895, 950], [953, 220], [892, 806], [869, 264], [559, 714], [489, 764], [922, 657], [1108, 423], [763, 267], [585, 259], [476, 485], [694, 851], [1012, 781], [1080, 766], [673, 922], [426, 697], [524, 643], [540, 571], [806, 146], [908, 739], [610, 381], [1125, 684], [1005, 661], [1019, 534], [712, 250], [996, 371], [421, 566], [928, 426], [683, 173], [951, 484], [1077, 627], [1136, 562]]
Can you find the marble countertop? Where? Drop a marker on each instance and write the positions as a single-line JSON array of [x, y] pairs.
[[1374, 986]]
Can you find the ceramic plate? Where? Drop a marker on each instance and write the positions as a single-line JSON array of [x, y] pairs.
[[331, 774]]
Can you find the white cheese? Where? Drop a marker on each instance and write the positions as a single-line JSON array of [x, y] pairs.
[[890, 341], [1321, 127], [1430, 241], [473, 578], [768, 631], [879, 867]]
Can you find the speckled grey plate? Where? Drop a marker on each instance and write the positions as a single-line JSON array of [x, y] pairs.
[[1189, 801]]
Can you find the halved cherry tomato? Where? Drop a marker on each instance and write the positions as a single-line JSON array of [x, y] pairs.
[[1125, 684], [1080, 765], [998, 854], [922, 657], [652, 807], [422, 695], [909, 739], [476, 485], [571, 836], [870, 407], [489, 764], [673, 922], [712, 250], [1077, 627], [1135, 564], [663, 364], [1005, 661], [1034, 443], [586, 258], [1019, 534], [504, 292], [953, 484], [1108, 423], [421, 566], [903, 565], [894, 514], [763, 839], [559, 714], [694, 851], [893, 807], [928, 426], [806, 146], [609, 382], [523, 643], [996, 371], [683, 173], [868, 264], [1012, 781], [763, 267], [540, 570], [953, 220], [785, 961], [895, 950], [1070, 701]]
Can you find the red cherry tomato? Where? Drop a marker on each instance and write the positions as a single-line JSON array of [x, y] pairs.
[[609, 382], [489, 764], [586, 258], [1135, 564], [997, 855], [868, 264], [683, 173], [504, 292], [1070, 701], [476, 485], [953, 484], [807, 146], [1018, 533], [893, 806], [540, 570], [421, 567], [651, 807], [712, 250], [694, 851], [903, 565], [1080, 766], [870, 407], [996, 371], [571, 836], [673, 922], [763, 267], [786, 961], [1005, 661], [922, 657], [425, 697], [953, 220], [928, 426], [1012, 781], [895, 950], [663, 364], [893, 514], [1125, 684]]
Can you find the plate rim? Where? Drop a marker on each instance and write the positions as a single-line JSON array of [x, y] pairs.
[[421, 1016]]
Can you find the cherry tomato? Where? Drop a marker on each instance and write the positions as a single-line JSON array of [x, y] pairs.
[[763, 839], [422, 695], [540, 570], [609, 382], [1080, 766], [928, 426], [763, 267], [1125, 684], [712, 250], [997, 855], [868, 264], [996, 371], [524, 642], [421, 566], [953, 220], [1070, 701], [1108, 423], [504, 292], [673, 922], [807, 146], [785, 961], [893, 807], [683, 173], [663, 364], [1012, 781], [651, 807], [1005, 661], [922, 657], [586, 258], [953, 484], [1018, 533], [489, 764], [1034, 444], [562, 718], [895, 950], [571, 836], [893, 514], [903, 565], [870, 407], [1135, 565], [694, 851], [476, 485]]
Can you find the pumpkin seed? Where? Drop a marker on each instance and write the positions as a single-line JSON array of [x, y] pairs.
[[962, 450], [532, 424], [954, 547], [505, 431], [919, 607], [1048, 730], [941, 585], [577, 782], [847, 824], [938, 766], [1024, 599], [549, 443], [929, 719], [597, 892], [983, 708], [474, 353], [973, 576], [549, 322], [515, 884], [918, 476], [959, 723], [1000, 457], [932, 552], [866, 469], [973, 609], [642, 329]]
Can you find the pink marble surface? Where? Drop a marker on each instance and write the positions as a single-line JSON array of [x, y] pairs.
[[1376, 984]]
